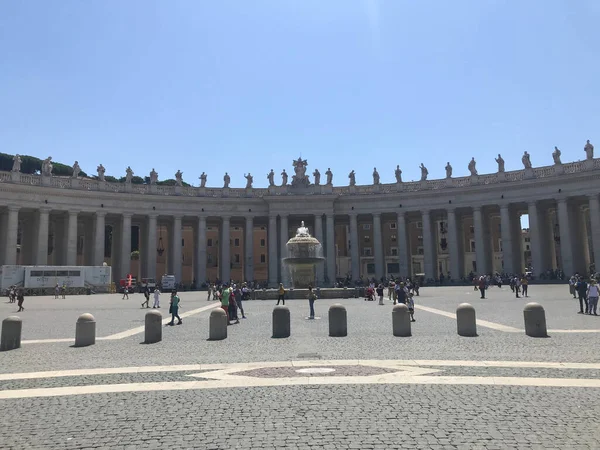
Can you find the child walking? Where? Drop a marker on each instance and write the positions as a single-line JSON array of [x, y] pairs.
[[156, 298], [411, 307]]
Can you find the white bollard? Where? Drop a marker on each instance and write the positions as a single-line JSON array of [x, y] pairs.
[[338, 321], [153, 327], [11, 333], [217, 325], [466, 323], [401, 321], [85, 331]]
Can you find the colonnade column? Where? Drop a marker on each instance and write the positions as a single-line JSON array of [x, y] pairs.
[[225, 261], [273, 262], [177, 249], [535, 239], [10, 237], [99, 231], [378, 247], [456, 266], [331, 257], [403, 245], [595, 228], [507, 243], [429, 250], [566, 247], [249, 249], [480, 247], [71, 243], [41, 251], [151, 246], [354, 250], [283, 235], [319, 236], [125, 245], [201, 251]]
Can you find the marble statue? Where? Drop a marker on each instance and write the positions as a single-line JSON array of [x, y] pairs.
[[203, 180], [300, 178], [179, 178], [424, 172], [153, 176], [556, 155], [329, 174], [226, 180], [398, 174], [302, 231], [271, 178], [526, 159], [100, 169], [352, 177], [249, 180], [47, 166], [16, 163], [128, 175], [589, 150], [375, 176], [472, 167], [284, 178], [448, 170], [76, 169], [500, 162], [317, 176]]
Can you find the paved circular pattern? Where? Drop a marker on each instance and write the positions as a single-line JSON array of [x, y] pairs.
[[317, 370], [339, 371]]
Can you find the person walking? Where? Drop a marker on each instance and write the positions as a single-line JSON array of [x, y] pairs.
[[582, 289], [20, 299], [225, 296], [481, 286], [239, 296], [311, 302], [174, 309], [210, 292], [281, 294], [56, 291], [524, 285], [147, 295], [517, 286], [411, 307], [593, 292], [232, 309], [156, 298], [125, 293], [380, 293]]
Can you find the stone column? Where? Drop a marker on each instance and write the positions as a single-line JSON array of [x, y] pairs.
[[454, 250], [99, 231], [10, 236], [378, 247], [273, 262], [535, 240], [125, 245], [151, 245], [249, 249], [480, 256], [595, 228], [71, 243], [331, 257], [201, 251], [41, 251], [354, 249], [506, 236], [177, 249], [225, 261], [429, 250], [283, 235], [403, 245], [320, 276], [566, 248]]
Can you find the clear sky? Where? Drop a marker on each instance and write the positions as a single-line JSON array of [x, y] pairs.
[[246, 86]]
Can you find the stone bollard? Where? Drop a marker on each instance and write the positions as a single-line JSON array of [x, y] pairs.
[[11, 333], [338, 321], [401, 321], [535, 320], [85, 330], [465, 320], [217, 325], [281, 322], [153, 327]]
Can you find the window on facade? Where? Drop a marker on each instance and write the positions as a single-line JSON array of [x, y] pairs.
[[472, 245], [367, 251], [394, 251], [420, 250], [209, 258], [209, 243], [263, 228], [183, 242], [236, 228], [393, 238], [366, 226], [370, 268], [419, 224], [263, 258], [236, 258], [80, 245], [420, 239], [472, 229], [236, 242], [527, 247], [500, 245], [527, 239], [367, 239], [443, 227], [209, 228], [393, 268], [262, 243], [393, 225]]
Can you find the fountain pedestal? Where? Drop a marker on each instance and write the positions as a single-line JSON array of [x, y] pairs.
[[304, 253]]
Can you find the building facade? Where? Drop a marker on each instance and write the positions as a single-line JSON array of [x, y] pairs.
[[451, 226]]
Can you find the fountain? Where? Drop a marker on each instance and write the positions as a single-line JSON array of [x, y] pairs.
[[304, 253]]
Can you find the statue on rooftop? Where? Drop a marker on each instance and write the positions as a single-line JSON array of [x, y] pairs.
[[556, 155], [153, 176], [226, 180], [179, 178], [526, 160], [317, 176], [249, 180], [47, 166], [500, 162], [128, 175], [424, 172], [100, 169], [76, 169], [203, 180], [375, 176], [352, 177], [16, 163], [448, 170], [471, 167], [589, 150], [398, 174], [329, 174]]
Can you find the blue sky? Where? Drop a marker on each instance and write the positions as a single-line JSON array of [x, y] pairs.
[[246, 86]]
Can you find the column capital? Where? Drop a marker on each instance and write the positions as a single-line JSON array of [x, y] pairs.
[[249, 217], [44, 210], [127, 215], [100, 213], [532, 203], [225, 218], [593, 196], [376, 214], [425, 212], [451, 211], [329, 215], [477, 209], [14, 208], [152, 215], [73, 213], [506, 205]]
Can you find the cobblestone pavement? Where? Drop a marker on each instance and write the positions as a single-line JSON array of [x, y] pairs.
[[463, 409]]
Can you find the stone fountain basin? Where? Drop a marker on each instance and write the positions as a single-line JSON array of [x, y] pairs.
[[301, 260]]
